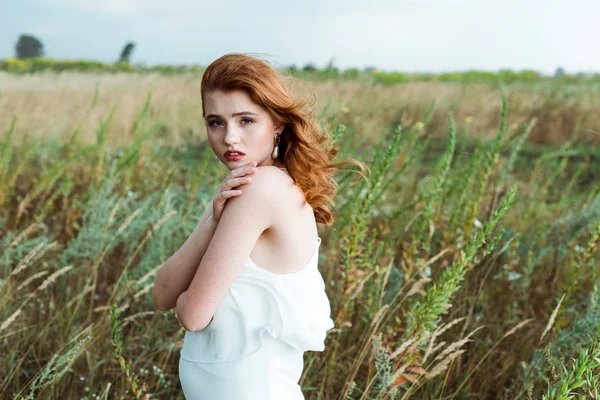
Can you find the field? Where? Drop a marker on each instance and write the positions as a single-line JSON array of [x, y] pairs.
[[465, 266]]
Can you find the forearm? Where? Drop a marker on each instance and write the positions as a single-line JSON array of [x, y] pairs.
[[180, 310], [176, 274]]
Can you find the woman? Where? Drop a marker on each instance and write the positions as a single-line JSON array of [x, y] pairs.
[[245, 284]]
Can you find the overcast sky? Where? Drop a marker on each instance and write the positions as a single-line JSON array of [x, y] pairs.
[[401, 35]]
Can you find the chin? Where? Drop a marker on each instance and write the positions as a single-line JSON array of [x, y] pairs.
[[233, 164]]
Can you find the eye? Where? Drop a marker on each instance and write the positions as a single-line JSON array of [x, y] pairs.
[[212, 122], [247, 119]]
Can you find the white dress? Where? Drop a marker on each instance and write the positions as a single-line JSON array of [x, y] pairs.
[[253, 348]]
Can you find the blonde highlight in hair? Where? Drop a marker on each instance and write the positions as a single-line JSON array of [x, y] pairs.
[[305, 148]]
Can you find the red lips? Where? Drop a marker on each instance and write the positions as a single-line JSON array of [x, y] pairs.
[[229, 152]]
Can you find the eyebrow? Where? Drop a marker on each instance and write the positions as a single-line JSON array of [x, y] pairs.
[[233, 115]]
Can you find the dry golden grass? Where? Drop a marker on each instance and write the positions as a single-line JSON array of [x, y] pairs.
[[52, 103]]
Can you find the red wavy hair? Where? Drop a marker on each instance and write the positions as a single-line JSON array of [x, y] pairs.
[[305, 147]]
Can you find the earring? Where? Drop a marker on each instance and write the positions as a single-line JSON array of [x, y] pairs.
[[275, 153]]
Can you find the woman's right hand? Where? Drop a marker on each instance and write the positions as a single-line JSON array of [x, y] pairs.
[[235, 178]]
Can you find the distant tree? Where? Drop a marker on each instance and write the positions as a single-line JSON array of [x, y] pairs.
[[309, 67], [126, 52], [330, 65], [29, 46], [559, 72]]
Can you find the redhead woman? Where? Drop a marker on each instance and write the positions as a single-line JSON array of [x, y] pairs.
[[246, 284]]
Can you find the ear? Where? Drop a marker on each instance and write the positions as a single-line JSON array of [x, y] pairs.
[[280, 127]]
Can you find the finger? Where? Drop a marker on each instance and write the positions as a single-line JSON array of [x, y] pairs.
[[230, 193], [238, 181], [243, 170]]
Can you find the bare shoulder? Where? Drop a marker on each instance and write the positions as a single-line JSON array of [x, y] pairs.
[[276, 187], [272, 179], [271, 170]]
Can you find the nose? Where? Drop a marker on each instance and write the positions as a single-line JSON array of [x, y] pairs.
[[232, 135]]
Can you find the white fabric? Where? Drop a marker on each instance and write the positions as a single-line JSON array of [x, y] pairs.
[[253, 348]]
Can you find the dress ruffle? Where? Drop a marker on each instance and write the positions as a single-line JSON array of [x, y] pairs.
[[305, 311], [292, 308]]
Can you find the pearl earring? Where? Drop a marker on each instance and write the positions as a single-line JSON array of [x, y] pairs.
[[275, 153]]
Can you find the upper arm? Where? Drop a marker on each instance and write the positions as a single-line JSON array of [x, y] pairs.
[[242, 222]]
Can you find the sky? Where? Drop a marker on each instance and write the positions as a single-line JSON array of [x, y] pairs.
[[390, 35]]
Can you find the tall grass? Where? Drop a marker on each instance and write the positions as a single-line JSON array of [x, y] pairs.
[[460, 268]]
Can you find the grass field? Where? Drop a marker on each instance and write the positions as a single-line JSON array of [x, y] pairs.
[[465, 266]]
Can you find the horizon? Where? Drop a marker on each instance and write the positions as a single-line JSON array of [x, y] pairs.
[[300, 66]]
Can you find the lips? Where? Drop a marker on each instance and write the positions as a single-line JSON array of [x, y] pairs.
[[234, 152]]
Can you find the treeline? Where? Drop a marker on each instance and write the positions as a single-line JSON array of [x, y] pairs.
[[37, 64]]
